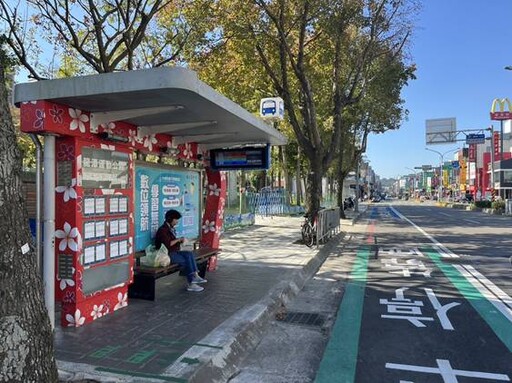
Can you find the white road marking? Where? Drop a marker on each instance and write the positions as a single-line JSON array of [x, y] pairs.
[[447, 372], [441, 310], [445, 214], [472, 221], [445, 252], [489, 290], [496, 301], [491, 286]]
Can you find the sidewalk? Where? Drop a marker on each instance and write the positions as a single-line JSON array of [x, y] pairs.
[[197, 337]]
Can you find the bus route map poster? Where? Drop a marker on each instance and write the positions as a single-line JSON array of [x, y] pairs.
[[160, 188]]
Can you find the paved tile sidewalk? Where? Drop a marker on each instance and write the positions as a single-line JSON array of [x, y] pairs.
[[186, 337]]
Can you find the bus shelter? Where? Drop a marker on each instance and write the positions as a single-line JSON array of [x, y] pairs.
[[100, 204]]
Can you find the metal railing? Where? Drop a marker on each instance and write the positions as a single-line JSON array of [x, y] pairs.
[[328, 224], [508, 206], [271, 202]]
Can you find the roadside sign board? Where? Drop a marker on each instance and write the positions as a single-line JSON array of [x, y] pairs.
[[441, 131], [455, 164], [475, 138], [426, 167]]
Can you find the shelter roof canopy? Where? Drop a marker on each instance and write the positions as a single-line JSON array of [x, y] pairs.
[[158, 100]]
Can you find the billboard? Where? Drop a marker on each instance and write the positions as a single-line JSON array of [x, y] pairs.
[[441, 131], [159, 188]]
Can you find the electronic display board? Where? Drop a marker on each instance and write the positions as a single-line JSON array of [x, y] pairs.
[[240, 158]]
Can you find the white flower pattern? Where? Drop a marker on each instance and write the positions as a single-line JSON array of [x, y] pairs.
[[97, 312], [187, 152], [69, 191], [75, 320], [122, 301], [108, 128], [134, 137], [65, 283], [79, 119], [214, 190], [70, 238], [208, 226], [149, 141]]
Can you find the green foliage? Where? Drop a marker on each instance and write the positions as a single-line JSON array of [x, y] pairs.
[[498, 205], [483, 204], [339, 66]]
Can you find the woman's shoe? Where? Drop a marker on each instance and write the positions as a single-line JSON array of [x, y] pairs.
[[194, 288], [198, 280]]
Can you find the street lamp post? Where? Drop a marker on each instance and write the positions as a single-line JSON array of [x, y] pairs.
[[441, 156]]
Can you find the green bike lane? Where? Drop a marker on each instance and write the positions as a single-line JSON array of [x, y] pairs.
[[413, 316]]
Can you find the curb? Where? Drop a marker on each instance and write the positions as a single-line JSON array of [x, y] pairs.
[[243, 331]]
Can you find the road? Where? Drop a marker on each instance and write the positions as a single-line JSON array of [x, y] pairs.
[[415, 294], [427, 300]]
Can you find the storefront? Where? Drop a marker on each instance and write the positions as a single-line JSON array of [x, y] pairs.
[[100, 203]]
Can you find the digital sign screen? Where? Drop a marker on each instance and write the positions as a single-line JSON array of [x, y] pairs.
[[241, 158]]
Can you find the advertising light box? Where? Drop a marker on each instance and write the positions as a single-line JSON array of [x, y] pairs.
[[160, 188], [240, 158]]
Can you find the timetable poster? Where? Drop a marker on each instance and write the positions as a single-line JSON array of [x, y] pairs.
[[159, 189]]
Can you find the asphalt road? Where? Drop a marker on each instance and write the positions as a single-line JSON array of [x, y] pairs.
[[414, 294], [427, 300]]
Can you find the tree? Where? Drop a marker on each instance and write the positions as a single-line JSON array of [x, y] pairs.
[[102, 36], [380, 110], [319, 56], [26, 350]]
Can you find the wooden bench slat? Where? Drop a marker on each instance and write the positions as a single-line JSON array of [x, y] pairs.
[[158, 271]]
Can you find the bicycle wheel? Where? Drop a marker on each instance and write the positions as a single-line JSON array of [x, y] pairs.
[[308, 236]]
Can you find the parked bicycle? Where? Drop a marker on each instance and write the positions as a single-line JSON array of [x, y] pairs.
[[349, 203], [308, 230]]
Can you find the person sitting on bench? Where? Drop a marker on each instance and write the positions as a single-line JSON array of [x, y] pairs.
[[166, 234]]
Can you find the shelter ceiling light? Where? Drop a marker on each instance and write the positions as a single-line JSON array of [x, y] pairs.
[[112, 137]]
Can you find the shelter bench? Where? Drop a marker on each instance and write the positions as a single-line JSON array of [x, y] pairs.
[[144, 277]]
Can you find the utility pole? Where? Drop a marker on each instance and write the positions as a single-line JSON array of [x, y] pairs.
[[441, 155]]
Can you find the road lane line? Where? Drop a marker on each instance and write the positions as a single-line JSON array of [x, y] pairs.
[[472, 221], [445, 251], [487, 292], [445, 214], [497, 320], [340, 357], [490, 286]]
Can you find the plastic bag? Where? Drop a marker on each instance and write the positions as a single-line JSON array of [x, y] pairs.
[[156, 258]]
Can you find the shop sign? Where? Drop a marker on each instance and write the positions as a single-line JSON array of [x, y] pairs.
[[497, 146], [498, 109], [472, 153]]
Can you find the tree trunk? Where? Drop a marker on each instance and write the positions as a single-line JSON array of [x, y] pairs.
[[299, 186], [26, 346], [314, 185], [340, 177]]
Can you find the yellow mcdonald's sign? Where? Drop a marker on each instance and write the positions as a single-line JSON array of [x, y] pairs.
[[501, 113]]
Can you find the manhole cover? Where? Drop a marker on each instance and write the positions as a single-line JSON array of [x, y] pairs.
[[305, 319]]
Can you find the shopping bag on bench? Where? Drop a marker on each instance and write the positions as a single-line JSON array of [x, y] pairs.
[[156, 258]]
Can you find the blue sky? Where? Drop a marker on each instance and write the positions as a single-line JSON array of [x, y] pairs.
[[460, 48]]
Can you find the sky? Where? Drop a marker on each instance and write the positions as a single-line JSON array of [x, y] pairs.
[[460, 48]]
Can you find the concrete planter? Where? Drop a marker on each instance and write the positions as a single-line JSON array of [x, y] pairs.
[[493, 211]]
